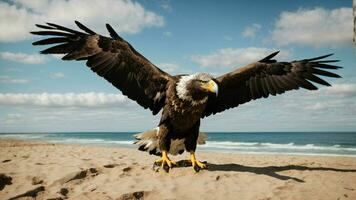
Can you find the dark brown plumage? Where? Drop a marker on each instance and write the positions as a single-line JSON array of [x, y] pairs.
[[268, 77], [112, 58], [184, 99]]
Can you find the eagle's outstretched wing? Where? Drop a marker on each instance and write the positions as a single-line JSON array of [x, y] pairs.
[[112, 58], [265, 77]]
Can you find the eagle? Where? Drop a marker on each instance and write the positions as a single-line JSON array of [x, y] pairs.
[[183, 99]]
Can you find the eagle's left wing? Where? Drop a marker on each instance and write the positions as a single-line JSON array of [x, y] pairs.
[[265, 77], [112, 58]]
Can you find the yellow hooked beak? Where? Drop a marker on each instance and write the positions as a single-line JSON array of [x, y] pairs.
[[211, 86]]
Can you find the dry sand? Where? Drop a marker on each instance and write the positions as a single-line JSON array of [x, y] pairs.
[[54, 171]]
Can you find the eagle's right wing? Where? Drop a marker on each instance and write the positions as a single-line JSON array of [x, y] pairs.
[[112, 58], [268, 77]]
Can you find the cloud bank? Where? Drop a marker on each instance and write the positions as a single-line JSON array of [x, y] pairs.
[[251, 31], [11, 80], [344, 90], [90, 99], [317, 27], [126, 16], [23, 58], [233, 57]]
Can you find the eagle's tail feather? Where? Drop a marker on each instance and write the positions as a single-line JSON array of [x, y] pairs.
[[148, 141]]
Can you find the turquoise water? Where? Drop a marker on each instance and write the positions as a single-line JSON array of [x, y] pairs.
[[289, 143]]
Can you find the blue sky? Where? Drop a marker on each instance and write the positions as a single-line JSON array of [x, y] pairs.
[[43, 93]]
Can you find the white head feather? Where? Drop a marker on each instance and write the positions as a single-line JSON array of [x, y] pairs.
[[182, 90]]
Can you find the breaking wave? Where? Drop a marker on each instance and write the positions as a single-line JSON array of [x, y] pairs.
[[340, 148], [274, 148]]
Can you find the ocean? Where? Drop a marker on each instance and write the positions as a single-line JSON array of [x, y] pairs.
[[280, 143]]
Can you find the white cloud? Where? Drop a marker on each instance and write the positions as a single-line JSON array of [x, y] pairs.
[[232, 57], [10, 80], [57, 56], [316, 106], [13, 119], [165, 5], [126, 16], [169, 67], [57, 75], [173, 68], [345, 90], [251, 31], [47, 119], [63, 100], [23, 58], [317, 27], [333, 106]]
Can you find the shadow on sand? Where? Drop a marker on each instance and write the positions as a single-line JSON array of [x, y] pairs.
[[272, 170]]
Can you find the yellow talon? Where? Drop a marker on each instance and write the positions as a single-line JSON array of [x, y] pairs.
[[165, 161], [195, 163]]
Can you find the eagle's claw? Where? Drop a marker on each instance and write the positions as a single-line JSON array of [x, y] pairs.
[[197, 165], [164, 162]]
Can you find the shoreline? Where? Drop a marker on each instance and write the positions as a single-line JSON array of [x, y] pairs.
[[290, 148], [199, 150], [76, 171]]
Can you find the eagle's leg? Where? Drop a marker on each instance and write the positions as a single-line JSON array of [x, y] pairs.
[[197, 165], [164, 143], [190, 143]]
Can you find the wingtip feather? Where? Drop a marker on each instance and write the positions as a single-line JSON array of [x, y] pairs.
[[320, 57], [44, 26], [112, 32], [84, 28], [269, 57]]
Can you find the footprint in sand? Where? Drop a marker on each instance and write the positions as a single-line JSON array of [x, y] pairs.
[[126, 169], [64, 191], [36, 180], [111, 165], [134, 195], [5, 180], [91, 172], [217, 178]]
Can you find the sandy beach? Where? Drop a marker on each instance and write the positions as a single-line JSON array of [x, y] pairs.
[[38, 170]]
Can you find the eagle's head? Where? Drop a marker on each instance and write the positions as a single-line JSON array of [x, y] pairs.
[[196, 88]]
